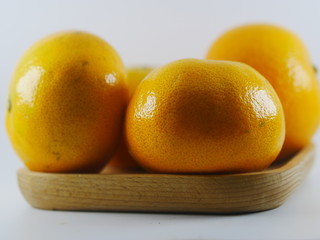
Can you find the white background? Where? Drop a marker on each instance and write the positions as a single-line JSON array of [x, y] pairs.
[[149, 33]]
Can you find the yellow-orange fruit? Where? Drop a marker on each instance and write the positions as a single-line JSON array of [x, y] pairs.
[[66, 103], [122, 160], [202, 116], [281, 57]]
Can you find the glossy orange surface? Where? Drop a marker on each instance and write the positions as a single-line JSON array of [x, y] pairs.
[[122, 159], [201, 116], [282, 58], [66, 103]]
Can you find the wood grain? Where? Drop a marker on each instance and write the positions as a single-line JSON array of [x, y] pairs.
[[144, 192]]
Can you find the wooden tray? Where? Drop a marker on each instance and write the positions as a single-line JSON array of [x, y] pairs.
[[145, 192]]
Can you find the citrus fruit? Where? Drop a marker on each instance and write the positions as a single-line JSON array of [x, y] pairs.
[[66, 103], [122, 160], [281, 57], [135, 76], [202, 116]]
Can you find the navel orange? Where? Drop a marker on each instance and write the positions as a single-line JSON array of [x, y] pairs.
[[66, 103], [281, 57], [202, 116]]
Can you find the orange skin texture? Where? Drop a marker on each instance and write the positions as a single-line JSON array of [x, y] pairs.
[[202, 116], [122, 160], [66, 103], [134, 76], [281, 57]]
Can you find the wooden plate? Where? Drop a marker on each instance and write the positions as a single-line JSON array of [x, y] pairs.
[[145, 192]]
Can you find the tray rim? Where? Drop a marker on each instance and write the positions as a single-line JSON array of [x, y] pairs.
[[304, 158]]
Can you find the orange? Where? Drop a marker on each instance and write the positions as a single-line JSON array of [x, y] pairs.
[[66, 103], [202, 116], [282, 58], [134, 76], [122, 160]]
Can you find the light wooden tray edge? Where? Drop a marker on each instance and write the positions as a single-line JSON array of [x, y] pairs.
[[227, 193]]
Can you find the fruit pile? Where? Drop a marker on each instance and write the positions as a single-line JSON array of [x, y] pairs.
[[73, 107]]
